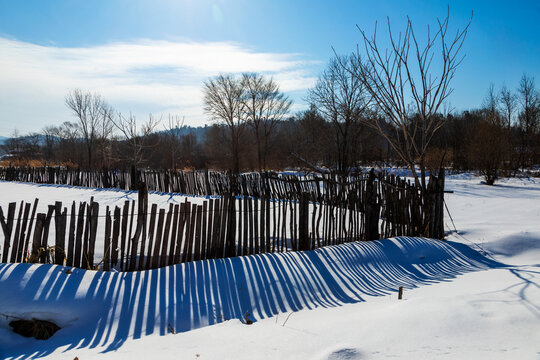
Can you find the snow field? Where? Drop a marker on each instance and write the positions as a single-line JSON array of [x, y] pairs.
[[483, 301]]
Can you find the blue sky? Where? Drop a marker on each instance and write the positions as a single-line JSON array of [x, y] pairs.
[[152, 56]]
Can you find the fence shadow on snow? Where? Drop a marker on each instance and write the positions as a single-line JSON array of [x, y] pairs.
[[104, 309]]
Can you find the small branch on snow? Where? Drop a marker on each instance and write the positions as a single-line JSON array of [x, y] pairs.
[[287, 319]]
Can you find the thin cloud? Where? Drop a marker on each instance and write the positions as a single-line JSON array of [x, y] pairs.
[[142, 76]]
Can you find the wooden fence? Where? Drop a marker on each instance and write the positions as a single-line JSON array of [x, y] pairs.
[[264, 184], [267, 214]]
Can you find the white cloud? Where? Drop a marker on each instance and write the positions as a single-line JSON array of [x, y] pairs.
[[142, 76]]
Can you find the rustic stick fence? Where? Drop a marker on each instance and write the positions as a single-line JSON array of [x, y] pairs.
[[265, 184], [254, 214]]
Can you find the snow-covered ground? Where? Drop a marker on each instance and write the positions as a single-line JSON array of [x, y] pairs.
[[476, 295]]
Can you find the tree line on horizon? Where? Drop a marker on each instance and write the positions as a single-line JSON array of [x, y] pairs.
[[372, 107]]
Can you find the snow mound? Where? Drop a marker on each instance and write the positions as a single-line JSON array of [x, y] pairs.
[[105, 308]]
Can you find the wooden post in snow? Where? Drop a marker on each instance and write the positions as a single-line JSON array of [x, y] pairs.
[[371, 208], [303, 232]]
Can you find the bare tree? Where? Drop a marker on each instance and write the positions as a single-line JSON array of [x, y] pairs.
[[223, 101], [529, 118], [342, 99], [69, 149], [487, 146], [264, 106], [105, 135], [507, 108], [507, 102], [91, 111], [135, 135], [306, 139], [491, 100], [172, 128], [408, 87], [50, 142]]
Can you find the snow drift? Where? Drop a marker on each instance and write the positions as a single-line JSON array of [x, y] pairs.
[[104, 309]]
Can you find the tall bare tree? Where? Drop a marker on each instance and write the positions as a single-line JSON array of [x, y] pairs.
[[264, 106], [342, 99], [172, 129], [487, 145], [507, 104], [91, 110], [50, 142], [223, 101], [105, 135], [529, 119], [135, 135], [491, 100], [507, 108], [409, 82]]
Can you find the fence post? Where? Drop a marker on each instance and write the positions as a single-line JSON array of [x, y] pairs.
[[436, 206], [207, 182], [440, 204], [372, 208], [107, 241], [45, 238], [7, 228], [36, 243], [230, 237], [94, 215], [303, 232], [230, 242], [134, 178], [60, 234], [142, 205]]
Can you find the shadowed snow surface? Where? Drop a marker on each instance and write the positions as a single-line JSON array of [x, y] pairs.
[[106, 309]]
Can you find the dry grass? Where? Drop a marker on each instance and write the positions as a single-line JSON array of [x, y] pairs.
[[33, 163]]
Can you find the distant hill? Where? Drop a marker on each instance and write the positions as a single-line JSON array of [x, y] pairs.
[[199, 132], [2, 141], [39, 138]]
